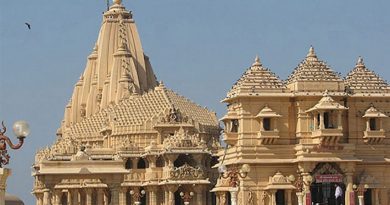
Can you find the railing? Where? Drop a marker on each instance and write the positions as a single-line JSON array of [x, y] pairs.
[[374, 136], [230, 138], [327, 136], [268, 136], [135, 175]]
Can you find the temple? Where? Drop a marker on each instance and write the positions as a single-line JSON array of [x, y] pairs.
[[293, 141], [126, 138]]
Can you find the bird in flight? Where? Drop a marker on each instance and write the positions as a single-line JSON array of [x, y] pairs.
[[28, 25]]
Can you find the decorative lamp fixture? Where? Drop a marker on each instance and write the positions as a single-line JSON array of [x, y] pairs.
[[234, 173], [186, 196], [21, 130], [136, 196], [360, 189]]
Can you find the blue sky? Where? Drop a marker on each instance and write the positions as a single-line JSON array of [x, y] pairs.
[[198, 48]]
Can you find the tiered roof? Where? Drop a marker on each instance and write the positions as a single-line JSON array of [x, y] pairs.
[[313, 69], [363, 80], [137, 110], [257, 79]]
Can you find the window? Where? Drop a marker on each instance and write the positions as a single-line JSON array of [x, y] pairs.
[[141, 164], [280, 197], [267, 124], [373, 124], [129, 164], [234, 126], [160, 161]]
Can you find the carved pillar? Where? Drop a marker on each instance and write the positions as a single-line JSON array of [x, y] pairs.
[[46, 197], [122, 196], [134, 162], [114, 195], [39, 197], [315, 120], [339, 122], [300, 198], [233, 193], [105, 198], [151, 160], [349, 189], [200, 197], [57, 197], [170, 193], [368, 124], [322, 124], [288, 199], [69, 197], [88, 196], [75, 196], [273, 197], [100, 197], [361, 200], [152, 195]]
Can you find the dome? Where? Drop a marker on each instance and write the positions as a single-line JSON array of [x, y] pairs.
[[12, 200]]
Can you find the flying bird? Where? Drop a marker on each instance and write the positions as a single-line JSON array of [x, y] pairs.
[[28, 25]]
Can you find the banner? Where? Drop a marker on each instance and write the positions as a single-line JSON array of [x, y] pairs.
[[328, 178]]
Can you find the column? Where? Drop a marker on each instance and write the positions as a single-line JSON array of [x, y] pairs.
[[46, 197], [39, 197], [349, 189], [170, 193], [233, 194], [315, 127], [339, 122], [100, 197], [122, 196], [322, 124], [152, 195], [288, 199], [200, 197], [376, 197], [75, 196], [300, 198], [57, 197], [273, 197], [105, 198], [114, 195], [69, 197], [361, 200], [367, 124], [88, 196]]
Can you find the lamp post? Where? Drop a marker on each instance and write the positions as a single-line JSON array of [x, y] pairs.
[[360, 189], [233, 175], [187, 196], [21, 130], [136, 196]]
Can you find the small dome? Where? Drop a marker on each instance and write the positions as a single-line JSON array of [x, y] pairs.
[[12, 200]]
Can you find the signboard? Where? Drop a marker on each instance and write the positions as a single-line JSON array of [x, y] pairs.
[[328, 178], [351, 198], [308, 198]]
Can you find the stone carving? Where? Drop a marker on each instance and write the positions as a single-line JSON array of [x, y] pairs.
[[181, 138], [126, 144], [186, 172], [81, 155], [278, 178], [63, 146], [250, 198], [83, 111], [174, 116]]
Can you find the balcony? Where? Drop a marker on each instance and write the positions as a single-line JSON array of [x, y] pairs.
[[327, 136], [230, 138], [374, 136], [268, 137], [135, 175]]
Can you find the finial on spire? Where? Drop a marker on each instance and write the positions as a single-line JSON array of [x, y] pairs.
[[117, 1], [311, 53], [257, 61], [360, 61]]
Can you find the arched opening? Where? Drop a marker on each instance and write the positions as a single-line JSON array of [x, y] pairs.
[[185, 158], [160, 162], [213, 161], [141, 164], [373, 124], [129, 164], [64, 199], [267, 124]]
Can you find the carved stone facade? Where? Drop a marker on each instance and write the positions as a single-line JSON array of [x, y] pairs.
[[124, 133], [327, 128]]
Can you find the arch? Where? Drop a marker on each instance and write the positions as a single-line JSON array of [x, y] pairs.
[[129, 164], [142, 164], [183, 159], [160, 162]]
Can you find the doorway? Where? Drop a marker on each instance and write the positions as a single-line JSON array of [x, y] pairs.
[[324, 193]]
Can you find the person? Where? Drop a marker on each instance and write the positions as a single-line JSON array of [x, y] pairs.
[[338, 194]]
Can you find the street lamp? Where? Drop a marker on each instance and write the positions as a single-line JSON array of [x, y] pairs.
[[21, 130], [233, 174], [360, 189], [136, 196], [187, 196]]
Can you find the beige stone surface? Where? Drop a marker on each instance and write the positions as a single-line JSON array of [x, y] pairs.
[[316, 123]]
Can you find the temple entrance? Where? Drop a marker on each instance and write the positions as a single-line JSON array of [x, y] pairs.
[[280, 200], [368, 197], [326, 177]]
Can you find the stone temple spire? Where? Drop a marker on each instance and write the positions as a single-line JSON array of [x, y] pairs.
[[116, 69], [311, 55]]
